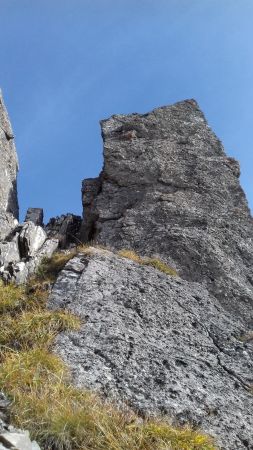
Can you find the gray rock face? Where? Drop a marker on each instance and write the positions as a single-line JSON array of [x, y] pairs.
[[167, 188], [65, 228], [21, 246], [7, 224], [35, 215], [160, 343], [17, 440], [8, 165], [91, 187], [22, 253], [31, 239]]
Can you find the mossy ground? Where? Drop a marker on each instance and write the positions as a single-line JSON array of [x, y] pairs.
[[58, 415]]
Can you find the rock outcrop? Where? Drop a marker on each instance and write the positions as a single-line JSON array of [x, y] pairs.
[[35, 215], [8, 174], [167, 188], [162, 344], [8, 165], [22, 246], [22, 252], [65, 228], [175, 345]]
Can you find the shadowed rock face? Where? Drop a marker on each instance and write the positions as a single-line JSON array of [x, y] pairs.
[[8, 165], [159, 343], [167, 188]]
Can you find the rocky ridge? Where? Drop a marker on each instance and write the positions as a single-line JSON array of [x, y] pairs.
[[179, 346]]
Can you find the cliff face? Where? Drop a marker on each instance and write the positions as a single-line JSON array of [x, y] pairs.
[[167, 188], [157, 342], [8, 174], [165, 343], [8, 165]]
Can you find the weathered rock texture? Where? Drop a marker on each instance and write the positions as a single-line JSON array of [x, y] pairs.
[[166, 345], [167, 188], [35, 215], [160, 343], [8, 165], [8, 175], [65, 228], [22, 252], [22, 246]]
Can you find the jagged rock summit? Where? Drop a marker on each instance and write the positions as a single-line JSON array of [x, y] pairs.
[[168, 188], [177, 345]]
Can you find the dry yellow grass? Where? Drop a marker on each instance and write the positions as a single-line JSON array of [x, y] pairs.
[[50, 267], [63, 417], [12, 298], [58, 415], [35, 328], [145, 261]]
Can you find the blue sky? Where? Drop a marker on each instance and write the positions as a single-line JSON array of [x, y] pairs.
[[66, 64]]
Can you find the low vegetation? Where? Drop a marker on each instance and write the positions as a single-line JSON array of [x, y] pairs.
[[50, 267], [145, 261], [58, 415], [246, 337]]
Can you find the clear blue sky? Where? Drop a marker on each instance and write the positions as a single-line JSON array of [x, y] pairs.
[[66, 64]]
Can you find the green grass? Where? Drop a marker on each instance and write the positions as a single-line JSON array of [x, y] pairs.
[[58, 415], [145, 261]]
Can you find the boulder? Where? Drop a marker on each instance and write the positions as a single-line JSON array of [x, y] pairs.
[[21, 255], [22, 270], [162, 344], [31, 238], [18, 440]]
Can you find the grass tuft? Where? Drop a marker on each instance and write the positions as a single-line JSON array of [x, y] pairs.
[[145, 261], [12, 298], [130, 254], [50, 267], [63, 417], [35, 329], [58, 415]]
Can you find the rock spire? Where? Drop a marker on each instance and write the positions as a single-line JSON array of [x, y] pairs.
[[167, 188]]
